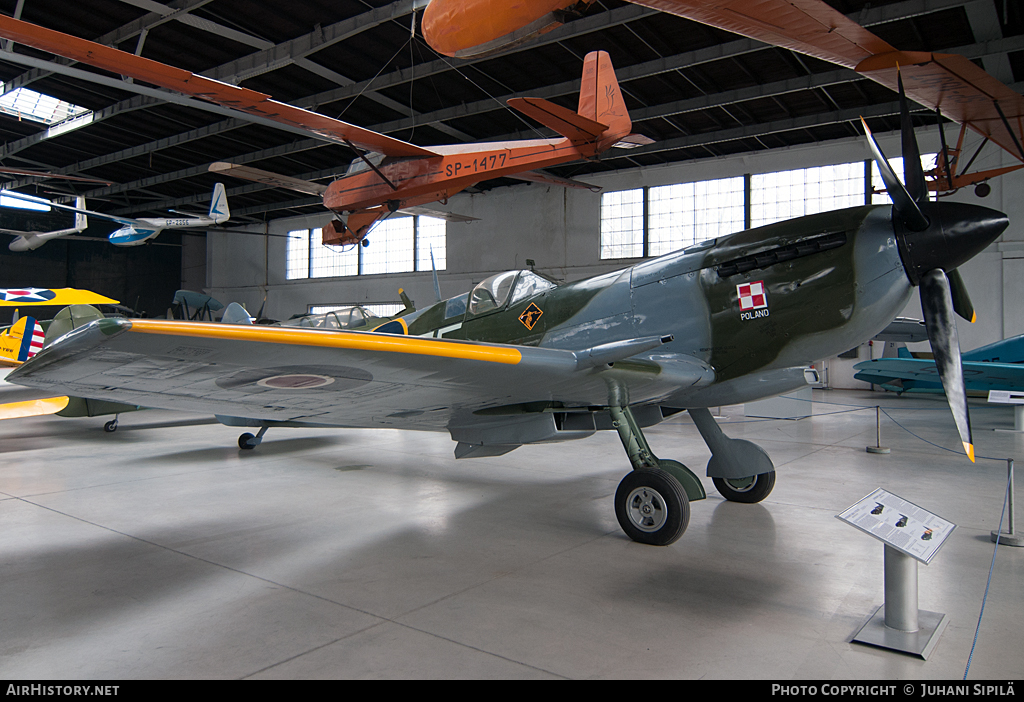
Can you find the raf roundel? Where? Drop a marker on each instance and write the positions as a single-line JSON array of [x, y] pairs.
[[752, 296]]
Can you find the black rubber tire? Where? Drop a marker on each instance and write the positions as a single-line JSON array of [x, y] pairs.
[[657, 489], [734, 491], [110, 426], [243, 442]]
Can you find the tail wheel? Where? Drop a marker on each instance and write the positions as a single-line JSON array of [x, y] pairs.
[[651, 507], [747, 490]]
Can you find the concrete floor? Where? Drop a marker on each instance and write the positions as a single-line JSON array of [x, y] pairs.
[[162, 551]]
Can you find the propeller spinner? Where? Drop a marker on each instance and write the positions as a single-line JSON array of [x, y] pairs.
[[934, 239]]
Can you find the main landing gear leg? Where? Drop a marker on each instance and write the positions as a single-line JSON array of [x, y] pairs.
[[652, 503], [741, 470], [111, 426], [247, 441]]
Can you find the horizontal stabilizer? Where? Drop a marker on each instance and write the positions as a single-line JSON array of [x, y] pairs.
[[551, 179], [632, 141], [569, 124], [446, 216]]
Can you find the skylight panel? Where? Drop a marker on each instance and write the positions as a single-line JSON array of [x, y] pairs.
[[37, 107]]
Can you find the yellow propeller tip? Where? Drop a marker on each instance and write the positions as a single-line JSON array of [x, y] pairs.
[[969, 448], [974, 317]]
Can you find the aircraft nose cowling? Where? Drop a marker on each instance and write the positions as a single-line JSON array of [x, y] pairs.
[[957, 232]]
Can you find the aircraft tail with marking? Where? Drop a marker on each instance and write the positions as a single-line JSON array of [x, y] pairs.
[[601, 119], [21, 341], [219, 210]]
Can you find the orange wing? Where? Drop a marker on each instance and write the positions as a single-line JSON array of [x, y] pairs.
[[808, 26], [957, 86], [164, 76], [951, 83]]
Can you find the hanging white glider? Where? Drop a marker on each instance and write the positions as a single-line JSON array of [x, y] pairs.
[[138, 231], [27, 241]]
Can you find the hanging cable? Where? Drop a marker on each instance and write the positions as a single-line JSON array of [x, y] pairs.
[[991, 567]]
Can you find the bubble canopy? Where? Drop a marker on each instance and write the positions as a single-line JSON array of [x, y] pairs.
[[494, 292]]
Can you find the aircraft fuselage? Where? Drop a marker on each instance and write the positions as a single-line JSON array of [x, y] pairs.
[[757, 306]]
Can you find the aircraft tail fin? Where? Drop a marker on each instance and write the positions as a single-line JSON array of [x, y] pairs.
[[22, 341], [219, 210], [81, 221], [601, 98], [410, 306], [601, 118]]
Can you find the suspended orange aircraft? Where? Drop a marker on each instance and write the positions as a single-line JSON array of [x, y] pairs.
[[948, 83], [408, 175]]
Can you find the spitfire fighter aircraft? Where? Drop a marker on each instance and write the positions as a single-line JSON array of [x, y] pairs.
[[134, 232], [389, 174], [520, 360], [950, 84]]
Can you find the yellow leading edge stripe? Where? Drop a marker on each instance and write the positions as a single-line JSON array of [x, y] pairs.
[[331, 339]]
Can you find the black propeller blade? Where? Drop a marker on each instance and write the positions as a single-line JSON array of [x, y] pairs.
[[934, 239], [904, 203], [913, 173], [961, 300], [937, 305]]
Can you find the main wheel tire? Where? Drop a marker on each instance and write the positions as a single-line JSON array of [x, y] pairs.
[[243, 442], [746, 490], [651, 507], [110, 426]]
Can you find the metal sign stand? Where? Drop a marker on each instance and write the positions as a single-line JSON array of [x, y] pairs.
[[898, 624], [909, 534]]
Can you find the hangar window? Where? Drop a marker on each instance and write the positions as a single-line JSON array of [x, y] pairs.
[[803, 191], [331, 261], [390, 249], [928, 162], [297, 255], [397, 245], [688, 213], [622, 224], [431, 238], [377, 309], [657, 220]]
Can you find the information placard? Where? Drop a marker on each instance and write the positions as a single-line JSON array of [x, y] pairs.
[[899, 523]]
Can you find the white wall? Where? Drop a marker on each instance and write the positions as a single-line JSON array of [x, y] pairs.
[[559, 229]]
